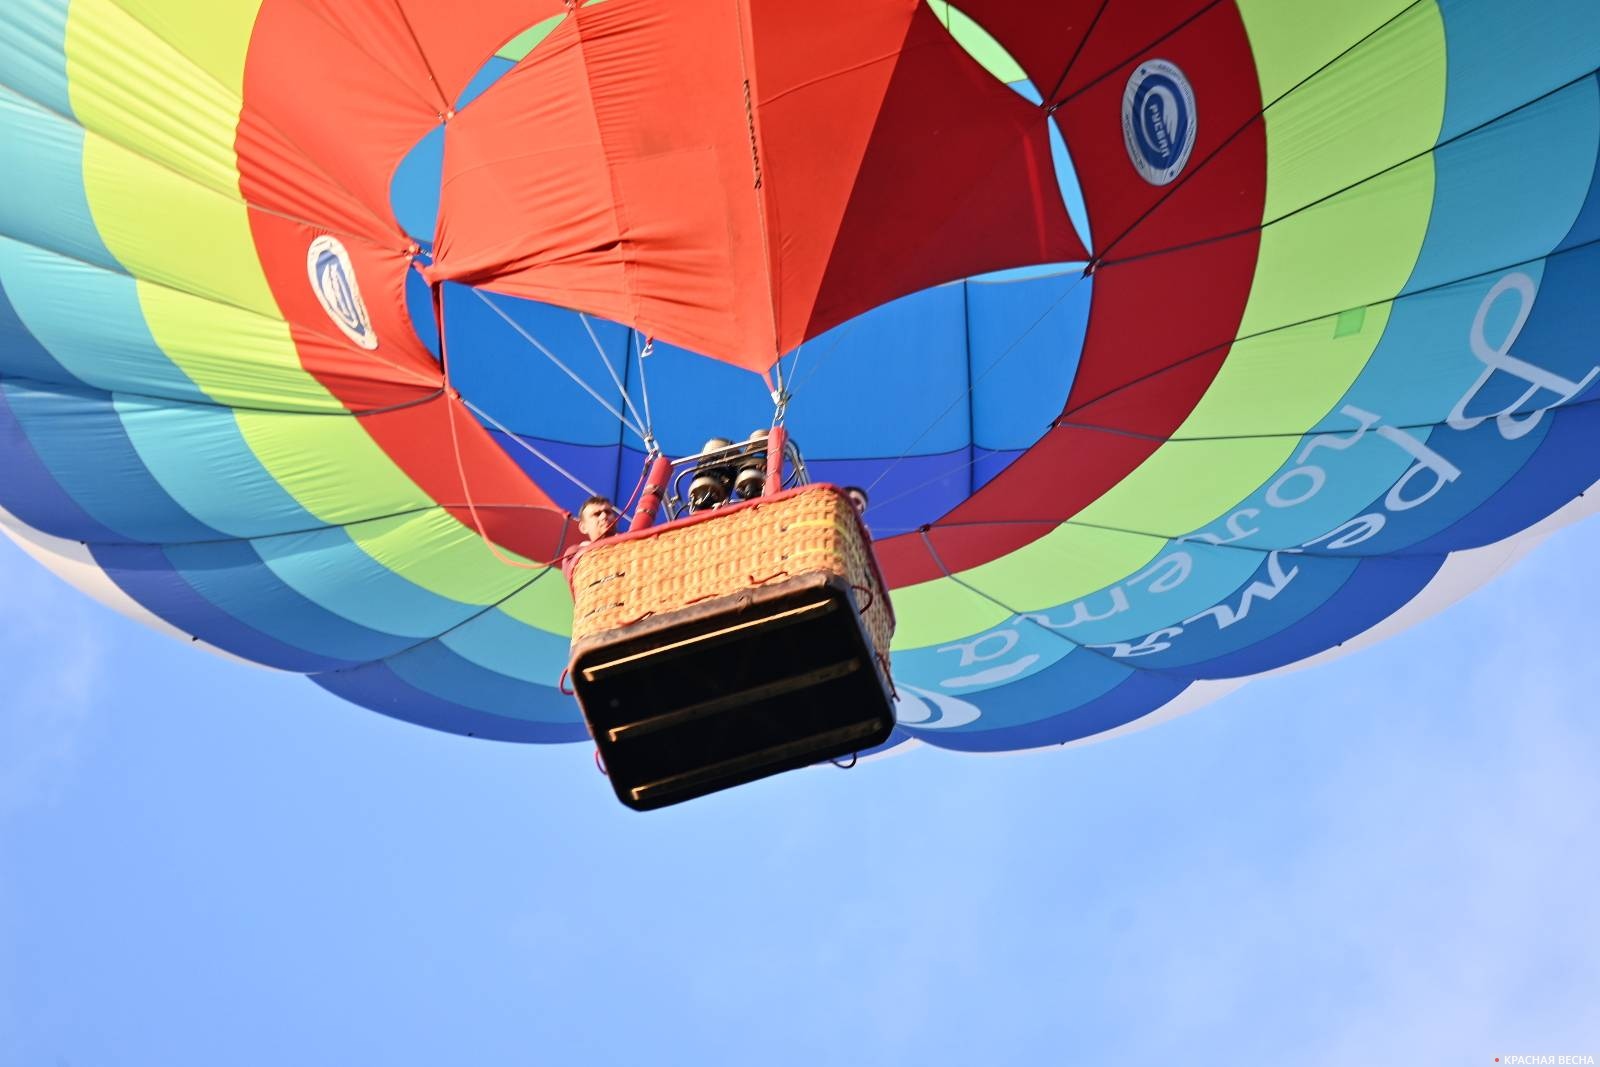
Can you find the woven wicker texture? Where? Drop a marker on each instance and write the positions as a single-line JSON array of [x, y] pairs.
[[628, 579]]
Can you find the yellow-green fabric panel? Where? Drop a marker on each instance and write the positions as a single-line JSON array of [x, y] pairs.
[[1378, 105], [213, 35], [436, 552], [132, 87], [940, 611], [165, 227], [238, 358]]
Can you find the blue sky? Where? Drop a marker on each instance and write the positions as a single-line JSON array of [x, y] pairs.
[[1386, 859]]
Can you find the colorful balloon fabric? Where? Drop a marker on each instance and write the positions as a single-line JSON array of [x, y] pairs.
[[1177, 341]]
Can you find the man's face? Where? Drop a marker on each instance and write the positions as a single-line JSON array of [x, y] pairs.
[[598, 520], [858, 501]]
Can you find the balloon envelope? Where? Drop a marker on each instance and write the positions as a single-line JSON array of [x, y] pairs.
[[1176, 342]]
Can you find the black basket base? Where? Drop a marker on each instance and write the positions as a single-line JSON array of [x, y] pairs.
[[731, 690]]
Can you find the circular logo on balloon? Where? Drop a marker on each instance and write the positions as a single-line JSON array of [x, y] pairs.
[[1158, 120], [333, 279]]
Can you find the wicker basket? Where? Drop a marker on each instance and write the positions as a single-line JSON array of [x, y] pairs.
[[626, 579]]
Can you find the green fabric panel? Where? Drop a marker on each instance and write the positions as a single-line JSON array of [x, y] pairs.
[[517, 49], [1071, 561], [940, 611], [979, 45], [434, 551], [1289, 41], [239, 358], [1376, 106]]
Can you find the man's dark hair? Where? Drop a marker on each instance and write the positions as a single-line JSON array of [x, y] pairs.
[[596, 499], [856, 489]]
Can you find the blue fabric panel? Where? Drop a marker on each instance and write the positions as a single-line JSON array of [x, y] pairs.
[[1502, 55], [414, 188], [110, 348], [21, 354], [1487, 462], [520, 387], [434, 669], [1025, 338], [1265, 604], [41, 155], [419, 306], [904, 494], [148, 576], [596, 466], [499, 643], [1549, 481], [232, 576], [377, 687], [33, 51], [1377, 589], [1587, 226], [329, 569], [889, 381], [1512, 190], [201, 458], [1138, 694], [30, 492], [81, 441]]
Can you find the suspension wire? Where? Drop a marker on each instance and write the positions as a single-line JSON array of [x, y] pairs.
[[497, 424], [551, 356], [644, 382], [622, 390], [450, 392], [794, 364], [472, 506]]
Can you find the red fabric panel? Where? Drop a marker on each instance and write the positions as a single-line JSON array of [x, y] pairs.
[[400, 370], [611, 171], [618, 170], [607, 173]]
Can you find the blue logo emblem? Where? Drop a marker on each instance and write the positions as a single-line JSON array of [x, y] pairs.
[[1158, 121], [333, 279]]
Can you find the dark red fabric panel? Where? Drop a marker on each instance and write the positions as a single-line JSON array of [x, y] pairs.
[[1043, 38], [956, 180], [1128, 32]]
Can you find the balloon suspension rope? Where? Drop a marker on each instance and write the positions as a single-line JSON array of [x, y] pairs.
[[452, 399]]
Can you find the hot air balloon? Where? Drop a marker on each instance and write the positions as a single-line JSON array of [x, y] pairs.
[[1175, 342]]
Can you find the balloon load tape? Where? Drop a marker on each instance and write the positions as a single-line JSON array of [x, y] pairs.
[[810, 530]]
